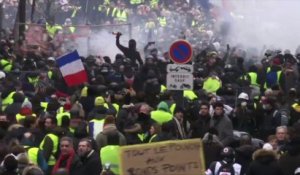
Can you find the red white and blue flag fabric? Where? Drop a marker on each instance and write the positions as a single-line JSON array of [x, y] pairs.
[[72, 69]]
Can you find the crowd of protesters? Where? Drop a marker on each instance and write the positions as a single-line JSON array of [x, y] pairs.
[[246, 111]]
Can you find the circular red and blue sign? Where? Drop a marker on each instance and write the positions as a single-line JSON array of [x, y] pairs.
[[181, 52]]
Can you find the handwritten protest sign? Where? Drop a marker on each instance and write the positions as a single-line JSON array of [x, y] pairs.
[[184, 157]]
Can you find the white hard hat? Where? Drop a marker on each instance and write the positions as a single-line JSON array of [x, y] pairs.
[[244, 96], [2, 75]]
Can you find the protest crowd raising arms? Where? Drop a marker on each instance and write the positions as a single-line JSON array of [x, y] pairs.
[[183, 97]]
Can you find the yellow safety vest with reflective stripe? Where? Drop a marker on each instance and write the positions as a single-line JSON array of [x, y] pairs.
[[72, 130], [84, 92], [20, 117], [53, 29], [60, 114], [172, 108], [163, 88], [74, 13], [6, 65], [296, 107], [136, 2], [50, 74], [8, 100], [162, 21], [154, 3], [113, 13], [189, 94], [212, 84], [253, 78], [100, 8], [116, 106], [55, 141], [33, 80], [142, 136], [44, 105], [106, 2], [72, 29], [152, 137], [150, 25], [33, 155], [161, 116], [111, 155], [121, 15]]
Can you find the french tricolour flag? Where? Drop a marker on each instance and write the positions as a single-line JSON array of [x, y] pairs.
[[72, 69]]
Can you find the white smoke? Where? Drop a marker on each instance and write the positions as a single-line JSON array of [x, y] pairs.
[[270, 23], [101, 43]]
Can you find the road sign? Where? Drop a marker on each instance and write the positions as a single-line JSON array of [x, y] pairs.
[[180, 68], [180, 81], [181, 52]]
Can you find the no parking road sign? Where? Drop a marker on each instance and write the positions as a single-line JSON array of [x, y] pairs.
[[181, 52]]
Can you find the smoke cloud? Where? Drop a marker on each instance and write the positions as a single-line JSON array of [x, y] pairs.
[[257, 23], [100, 43]]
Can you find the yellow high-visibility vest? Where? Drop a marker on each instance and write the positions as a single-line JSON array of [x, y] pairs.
[[53, 29], [8, 100], [60, 114], [136, 2], [162, 21], [111, 155], [55, 140], [33, 155], [20, 117], [121, 15], [5, 65], [154, 3], [253, 78], [161, 116], [189, 94], [212, 84]]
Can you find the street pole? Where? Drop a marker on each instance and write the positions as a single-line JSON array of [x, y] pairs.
[[1, 17], [32, 11], [22, 17]]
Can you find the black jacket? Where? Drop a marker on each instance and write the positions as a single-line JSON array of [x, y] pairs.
[[91, 164], [200, 127], [291, 160], [132, 54], [244, 156]]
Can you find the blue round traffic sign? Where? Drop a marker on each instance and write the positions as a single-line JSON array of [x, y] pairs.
[[181, 52]]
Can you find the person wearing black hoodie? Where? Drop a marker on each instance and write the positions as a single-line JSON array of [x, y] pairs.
[[130, 52]]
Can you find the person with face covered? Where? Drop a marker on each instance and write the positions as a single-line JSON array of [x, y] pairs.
[[130, 52], [243, 114], [222, 124], [90, 159]]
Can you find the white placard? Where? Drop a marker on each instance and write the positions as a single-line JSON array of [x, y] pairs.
[[180, 81]]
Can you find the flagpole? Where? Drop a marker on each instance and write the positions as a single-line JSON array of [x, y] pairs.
[[86, 11], [32, 11]]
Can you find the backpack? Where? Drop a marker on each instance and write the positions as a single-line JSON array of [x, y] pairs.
[[226, 169]]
